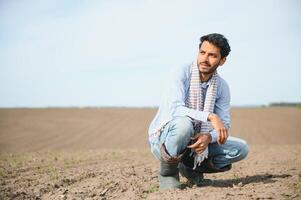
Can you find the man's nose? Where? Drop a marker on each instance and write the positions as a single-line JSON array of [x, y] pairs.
[[205, 58]]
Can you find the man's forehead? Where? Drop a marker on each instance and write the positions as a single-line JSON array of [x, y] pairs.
[[207, 46]]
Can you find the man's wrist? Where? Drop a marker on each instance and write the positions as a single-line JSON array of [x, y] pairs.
[[211, 116], [213, 136]]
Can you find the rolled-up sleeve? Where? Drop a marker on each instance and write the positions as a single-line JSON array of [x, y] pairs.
[[222, 107]]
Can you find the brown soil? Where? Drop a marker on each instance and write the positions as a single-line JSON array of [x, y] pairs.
[[103, 154]]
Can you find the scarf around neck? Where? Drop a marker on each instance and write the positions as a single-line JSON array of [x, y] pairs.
[[197, 101]]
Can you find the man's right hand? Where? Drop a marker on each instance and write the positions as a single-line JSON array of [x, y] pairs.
[[219, 127]]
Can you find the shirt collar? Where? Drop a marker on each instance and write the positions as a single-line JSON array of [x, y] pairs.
[[205, 84]]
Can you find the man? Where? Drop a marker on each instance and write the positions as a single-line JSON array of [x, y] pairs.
[[189, 133]]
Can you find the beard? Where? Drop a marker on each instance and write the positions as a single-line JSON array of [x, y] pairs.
[[208, 69]]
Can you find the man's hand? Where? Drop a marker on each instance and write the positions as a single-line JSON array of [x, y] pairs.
[[202, 142], [219, 127]]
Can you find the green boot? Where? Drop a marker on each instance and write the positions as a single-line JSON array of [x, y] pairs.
[[169, 172], [169, 176]]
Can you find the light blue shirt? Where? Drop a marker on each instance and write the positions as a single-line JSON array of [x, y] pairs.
[[174, 97]]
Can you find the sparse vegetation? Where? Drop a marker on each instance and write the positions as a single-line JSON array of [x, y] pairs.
[[153, 188]]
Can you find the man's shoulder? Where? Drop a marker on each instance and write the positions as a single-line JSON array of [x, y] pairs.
[[223, 85], [222, 80]]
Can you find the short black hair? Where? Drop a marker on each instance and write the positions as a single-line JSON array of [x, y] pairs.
[[218, 40]]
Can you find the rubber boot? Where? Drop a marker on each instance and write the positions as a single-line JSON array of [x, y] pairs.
[[169, 176], [169, 172]]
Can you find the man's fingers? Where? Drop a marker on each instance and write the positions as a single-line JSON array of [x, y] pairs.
[[194, 144], [199, 151], [196, 136], [222, 136], [225, 136], [197, 145]]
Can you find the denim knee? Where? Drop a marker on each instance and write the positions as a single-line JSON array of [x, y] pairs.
[[236, 149], [179, 135], [243, 149], [183, 128]]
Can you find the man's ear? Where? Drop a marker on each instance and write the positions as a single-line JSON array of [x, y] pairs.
[[222, 61]]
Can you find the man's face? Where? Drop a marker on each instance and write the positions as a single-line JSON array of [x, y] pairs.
[[209, 58]]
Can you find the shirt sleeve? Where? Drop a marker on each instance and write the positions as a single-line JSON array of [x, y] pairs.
[[222, 108], [176, 96]]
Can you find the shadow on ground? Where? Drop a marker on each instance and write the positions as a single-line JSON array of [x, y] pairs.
[[261, 178]]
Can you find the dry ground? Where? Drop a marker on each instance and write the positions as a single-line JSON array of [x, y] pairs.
[[103, 154]]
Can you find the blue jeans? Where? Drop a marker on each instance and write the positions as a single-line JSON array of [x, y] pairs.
[[177, 134]]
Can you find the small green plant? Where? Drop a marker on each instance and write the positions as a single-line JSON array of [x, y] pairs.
[[115, 155], [152, 189], [236, 176], [52, 172]]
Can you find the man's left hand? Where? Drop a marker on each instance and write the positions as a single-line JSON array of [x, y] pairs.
[[202, 142]]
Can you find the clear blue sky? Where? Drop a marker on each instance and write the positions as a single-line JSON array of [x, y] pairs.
[[119, 53]]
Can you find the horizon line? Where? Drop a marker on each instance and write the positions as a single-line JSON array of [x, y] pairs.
[[280, 104]]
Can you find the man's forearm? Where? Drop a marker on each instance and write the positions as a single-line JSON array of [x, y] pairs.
[[192, 113], [219, 127]]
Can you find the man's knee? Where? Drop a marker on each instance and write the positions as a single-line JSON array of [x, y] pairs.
[[237, 149], [179, 135], [182, 128], [243, 148]]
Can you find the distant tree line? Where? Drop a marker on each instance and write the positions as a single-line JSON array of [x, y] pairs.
[[285, 104]]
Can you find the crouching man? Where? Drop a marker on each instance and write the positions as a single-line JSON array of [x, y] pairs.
[[189, 133]]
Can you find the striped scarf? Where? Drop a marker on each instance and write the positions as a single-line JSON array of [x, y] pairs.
[[197, 101]]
